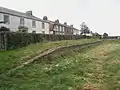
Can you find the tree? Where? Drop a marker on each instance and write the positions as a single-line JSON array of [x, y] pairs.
[[84, 29], [97, 35], [105, 35]]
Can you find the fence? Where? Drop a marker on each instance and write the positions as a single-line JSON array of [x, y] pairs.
[[3, 41], [10, 40]]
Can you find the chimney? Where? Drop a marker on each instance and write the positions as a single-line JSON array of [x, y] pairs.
[[65, 23], [29, 13], [57, 21], [71, 25], [45, 18]]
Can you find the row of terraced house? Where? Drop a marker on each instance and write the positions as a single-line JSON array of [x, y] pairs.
[[27, 22]]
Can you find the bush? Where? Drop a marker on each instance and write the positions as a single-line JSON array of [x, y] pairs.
[[23, 29], [4, 29], [17, 40]]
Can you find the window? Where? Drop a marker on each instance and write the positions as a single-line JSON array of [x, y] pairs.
[[22, 22], [6, 19], [58, 28], [33, 31], [43, 32], [61, 28], [43, 25], [33, 24]]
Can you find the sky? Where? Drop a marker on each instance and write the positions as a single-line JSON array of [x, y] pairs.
[[100, 15]]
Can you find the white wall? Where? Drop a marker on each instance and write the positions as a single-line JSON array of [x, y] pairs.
[[28, 23], [46, 29], [1, 17], [76, 32], [15, 22]]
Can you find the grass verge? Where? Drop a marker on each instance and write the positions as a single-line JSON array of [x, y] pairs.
[[96, 65], [13, 58]]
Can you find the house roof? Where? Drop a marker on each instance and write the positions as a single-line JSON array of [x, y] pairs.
[[49, 21], [56, 23], [19, 14], [66, 26]]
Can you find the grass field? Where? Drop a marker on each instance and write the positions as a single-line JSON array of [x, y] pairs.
[[96, 66], [13, 58]]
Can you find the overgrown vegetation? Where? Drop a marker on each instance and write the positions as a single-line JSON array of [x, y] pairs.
[[4, 29], [97, 66], [13, 40], [12, 58]]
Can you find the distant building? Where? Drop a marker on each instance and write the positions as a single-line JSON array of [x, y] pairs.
[[14, 20], [27, 22], [76, 31], [62, 29]]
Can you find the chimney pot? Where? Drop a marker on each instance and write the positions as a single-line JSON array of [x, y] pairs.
[[45, 18], [65, 23], [29, 13], [57, 21]]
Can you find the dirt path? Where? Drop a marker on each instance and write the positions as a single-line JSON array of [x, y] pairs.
[[99, 56]]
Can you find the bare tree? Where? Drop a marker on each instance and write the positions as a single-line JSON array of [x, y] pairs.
[[84, 29]]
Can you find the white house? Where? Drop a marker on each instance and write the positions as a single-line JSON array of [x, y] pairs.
[[76, 31], [14, 20]]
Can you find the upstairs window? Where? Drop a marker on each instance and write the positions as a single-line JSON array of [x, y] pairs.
[[22, 22], [6, 19], [43, 25], [58, 28], [33, 24]]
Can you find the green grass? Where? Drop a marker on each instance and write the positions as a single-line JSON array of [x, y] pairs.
[[13, 58], [96, 65], [62, 73], [112, 69]]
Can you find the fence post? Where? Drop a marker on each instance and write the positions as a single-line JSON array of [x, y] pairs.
[[0, 41], [5, 42]]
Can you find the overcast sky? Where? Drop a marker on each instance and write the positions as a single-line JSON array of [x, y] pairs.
[[100, 15]]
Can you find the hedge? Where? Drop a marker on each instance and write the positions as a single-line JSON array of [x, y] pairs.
[[11, 40]]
